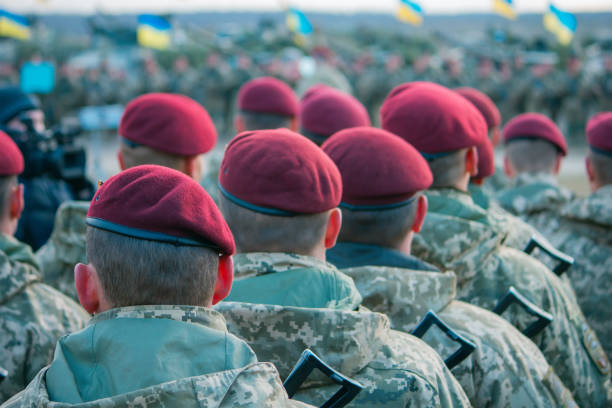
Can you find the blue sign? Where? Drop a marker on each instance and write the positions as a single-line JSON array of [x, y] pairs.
[[37, 77]]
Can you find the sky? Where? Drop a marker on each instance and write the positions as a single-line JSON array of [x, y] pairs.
[[430, 6]]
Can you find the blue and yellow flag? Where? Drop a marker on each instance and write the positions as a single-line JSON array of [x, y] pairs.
[[153, 31], [14, 26], [505, 8], [298, 22], [560, 23], [410, 12]]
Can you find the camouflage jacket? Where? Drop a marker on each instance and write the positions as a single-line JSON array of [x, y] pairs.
[[460, 236], [32, 317], [536, 198], [498, 181], [291, 280], [197, 364], [584, 231], [504, 359], [65, 248], [396, 369]]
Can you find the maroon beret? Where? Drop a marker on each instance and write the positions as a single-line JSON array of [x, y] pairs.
[[486, 160], [483, 103], [160, 204], [327, 111], [11, 159], [535, 126], [169, 123], [268, 95], [379, 170], [434, 119], [599, 133], [279, 172]]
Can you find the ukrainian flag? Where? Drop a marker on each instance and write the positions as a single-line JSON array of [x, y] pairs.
[[505, 8], [410, 12], [560, 23], [14, 26], [153, 31], [298, 22]]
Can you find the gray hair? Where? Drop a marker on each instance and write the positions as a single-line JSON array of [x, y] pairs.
[[532, 155], [448, 170], [602, 167]]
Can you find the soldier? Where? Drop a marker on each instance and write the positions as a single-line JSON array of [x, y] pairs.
[[325, 111], [168, 130], [583, 231], [534, 149], [461, 236], [155, 240], [279, 195], [32, 315], [382, 208]]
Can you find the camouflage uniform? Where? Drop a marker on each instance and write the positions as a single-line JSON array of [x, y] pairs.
[[32, 316], [396, 369], [504, 359], [583, 231], [65, 248], [498, 181], [197, 364], [460, 236]]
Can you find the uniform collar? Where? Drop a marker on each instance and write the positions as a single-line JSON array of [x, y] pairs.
[[18, 267], [352, 254], [260, 263]]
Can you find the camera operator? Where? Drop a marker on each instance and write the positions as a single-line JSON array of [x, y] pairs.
[[20, 114]]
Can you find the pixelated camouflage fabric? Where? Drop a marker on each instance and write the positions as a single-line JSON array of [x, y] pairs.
[[505, 370], [32, 317], [396, 369], [458, 235]]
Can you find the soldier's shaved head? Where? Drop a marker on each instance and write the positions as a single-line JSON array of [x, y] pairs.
[[6, 185], [601, 166], [532, 156], [449, 170]]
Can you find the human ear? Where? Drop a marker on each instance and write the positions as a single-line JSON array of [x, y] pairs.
[[225, 278]]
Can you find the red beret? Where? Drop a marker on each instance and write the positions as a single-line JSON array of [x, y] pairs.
[[160, 204], [483, 103], [279, 172], [268, 95], [11, 159], [326, 111], [434, 119], [535, 126], [486, 160], [599, 133], [169, 123], [379, 170]]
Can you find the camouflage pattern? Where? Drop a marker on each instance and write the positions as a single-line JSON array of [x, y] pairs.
[[496, 182], [536, 198], [396, 369], [583, 231], [504, 359], [248, 384], [32, 317], [264, 278], [65, 248], [460, 236]]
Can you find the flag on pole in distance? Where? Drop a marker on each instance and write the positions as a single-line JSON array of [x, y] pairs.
[[410, 12], [560, 23], [505, 8], [298, 22], [14, 26], [153, 31]]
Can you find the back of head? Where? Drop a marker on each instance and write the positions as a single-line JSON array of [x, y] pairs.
[[277, 188], [164, 129], [13, 101], [11, 165], [267, 103], [325, 111], [154, 237], [599, 139], [533, 143], [381, 177], [439, 123]]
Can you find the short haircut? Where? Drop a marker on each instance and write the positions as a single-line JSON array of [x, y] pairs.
[[387, 228], [140, 154], [602, 167], [259, 121], [6, 182], [532, 155], [257, 232], [448, 170], [139, 272]]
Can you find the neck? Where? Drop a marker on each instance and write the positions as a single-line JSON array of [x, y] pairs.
[[8, 227]]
